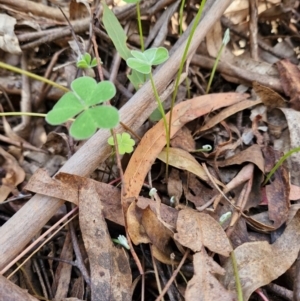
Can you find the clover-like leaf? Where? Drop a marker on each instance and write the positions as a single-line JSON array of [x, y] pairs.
[[125, 143], [84, 126], [93, 63], [82, 100], [161, 56], [139, 65], [103, 91], [83, 87], [107, 116], [150, 55], [67, 107], [82, 64]]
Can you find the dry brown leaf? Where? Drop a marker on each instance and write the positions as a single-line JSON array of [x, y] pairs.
[[159, 235], [196, 229], [174, 185], [227, 112], [184, 139], [289, 78], [294, 192], [251, 154], [278, 195], [204, 286], [65, 186], [155, 139], [269, 97], [259, 263], [14, 174], [63, 271], [8, 40], [110, 268], [181, 159], [293, 121]]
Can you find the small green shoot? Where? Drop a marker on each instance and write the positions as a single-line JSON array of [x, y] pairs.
[[138, 13], [86, 61], [205, 148], [143, 62], [122, 240], [224, 217], [83, 101], [225, 41], [279, 163], [125, 143], [181, 16]]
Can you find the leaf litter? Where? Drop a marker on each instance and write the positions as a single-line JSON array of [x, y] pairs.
[[249, 132]]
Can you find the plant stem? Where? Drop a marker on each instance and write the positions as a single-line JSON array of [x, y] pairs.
[[181, 16], [162, 112], [214, 68], [138, 12], [236, 276], [196, 21], [34, 76], [277, 165], [23, 114]]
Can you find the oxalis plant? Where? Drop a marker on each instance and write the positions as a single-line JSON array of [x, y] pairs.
[[84, 103]]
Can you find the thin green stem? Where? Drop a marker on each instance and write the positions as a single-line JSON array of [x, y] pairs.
[[138, 12], [23, 114], [196, 21], [34, 76], [181, 16], [236, 276], [282, 159], [214, 68], [162, 112]]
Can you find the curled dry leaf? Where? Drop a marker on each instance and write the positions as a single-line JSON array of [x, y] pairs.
[[259, 263], [278, 195], [289, 78], [204, 285], [197, 229], [155, 139], [251, 154], [8, 40], [216, 119], [110, 269], [14, 174], [181, 159], [65, 186]]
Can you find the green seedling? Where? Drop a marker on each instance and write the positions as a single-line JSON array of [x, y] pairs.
[[225, 41], [122, 240], [86, 62], [83, 101], [181, 16], [143, 62], [138, 13], [125, 143], [119, 38], [279, 163]]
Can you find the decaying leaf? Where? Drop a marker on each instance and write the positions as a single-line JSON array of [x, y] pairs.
[[13, 174], [8, 40], [197, 229], [109, 265], [259, 263], [204, 285], [289, 77]]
